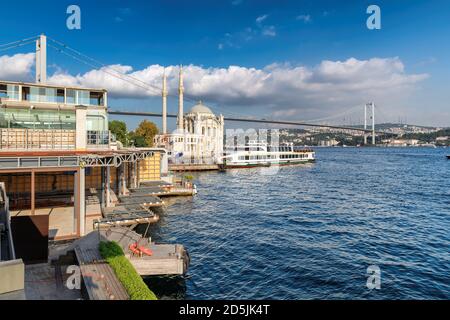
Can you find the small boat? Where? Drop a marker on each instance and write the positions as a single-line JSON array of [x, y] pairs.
[[448, 156]]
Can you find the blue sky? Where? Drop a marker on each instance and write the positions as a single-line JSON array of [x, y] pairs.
[[275, 38]]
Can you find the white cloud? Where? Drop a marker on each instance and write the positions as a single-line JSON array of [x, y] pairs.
[[269, 31], [304, 17], [122, 13], [277, 89], [260, 19], [17, 67], [236, 40]]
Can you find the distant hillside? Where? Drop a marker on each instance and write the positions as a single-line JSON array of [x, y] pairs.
[[388, 125], [428, 137]]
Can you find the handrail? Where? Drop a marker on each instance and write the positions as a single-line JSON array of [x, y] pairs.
[[12, 251], [45, 139]]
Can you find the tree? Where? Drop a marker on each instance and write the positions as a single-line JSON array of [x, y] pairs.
[[147, 130], [119, 129], [137, 141]]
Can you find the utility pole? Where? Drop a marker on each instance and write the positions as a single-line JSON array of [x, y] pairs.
[[41, 59]]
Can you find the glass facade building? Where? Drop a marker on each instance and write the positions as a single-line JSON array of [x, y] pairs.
[[31, 107]]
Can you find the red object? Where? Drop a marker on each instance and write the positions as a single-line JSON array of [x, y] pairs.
[[140, 250], [134, 249], [145, 250]]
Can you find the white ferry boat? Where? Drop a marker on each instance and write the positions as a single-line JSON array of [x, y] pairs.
[[260, 154]]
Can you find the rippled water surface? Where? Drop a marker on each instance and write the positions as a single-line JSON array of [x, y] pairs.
[[311, 231]]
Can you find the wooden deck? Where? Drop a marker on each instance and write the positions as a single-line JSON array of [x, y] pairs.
[[167, 259], [99, 279], [131, 210]]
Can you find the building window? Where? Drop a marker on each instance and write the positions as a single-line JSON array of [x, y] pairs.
[[96, 122], [83, 97], [10, 92], [71, 96], [96, 98], [37, 119]]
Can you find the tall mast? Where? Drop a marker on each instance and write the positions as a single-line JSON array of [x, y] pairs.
[[180, 99], [164, 103]]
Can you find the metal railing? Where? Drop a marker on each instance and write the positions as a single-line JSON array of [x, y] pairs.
[[43, 139], [190, 160], [5, 205]]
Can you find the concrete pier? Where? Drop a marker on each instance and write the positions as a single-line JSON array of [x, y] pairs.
[[193, 167]]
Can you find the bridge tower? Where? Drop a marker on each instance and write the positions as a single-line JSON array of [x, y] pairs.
[[371, 107], [41, 59]]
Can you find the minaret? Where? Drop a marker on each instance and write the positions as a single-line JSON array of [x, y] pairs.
[[180, 100], [164, 104]]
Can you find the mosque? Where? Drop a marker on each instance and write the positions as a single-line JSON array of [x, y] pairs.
[[198, 138]]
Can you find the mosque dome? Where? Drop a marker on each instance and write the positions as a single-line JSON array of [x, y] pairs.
[[200, 108]]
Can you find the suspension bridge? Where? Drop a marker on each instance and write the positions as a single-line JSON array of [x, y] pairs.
[[156, 90], [266, 121]]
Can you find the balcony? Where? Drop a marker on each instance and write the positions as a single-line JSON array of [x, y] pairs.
[[12, 139], [36, 139], [15, 94]]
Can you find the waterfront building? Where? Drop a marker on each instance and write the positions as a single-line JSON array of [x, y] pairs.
[[59, 163], [198, 138]]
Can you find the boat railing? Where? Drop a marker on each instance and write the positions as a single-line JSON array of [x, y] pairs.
[[303, 150]]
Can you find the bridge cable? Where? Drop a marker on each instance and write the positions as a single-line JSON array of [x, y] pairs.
[[15, 42], [16, 46]]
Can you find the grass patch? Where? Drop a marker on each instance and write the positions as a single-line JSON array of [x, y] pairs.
[[125, 272]]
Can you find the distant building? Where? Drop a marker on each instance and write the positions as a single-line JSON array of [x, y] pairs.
[[199, 134], [401, 142], [329, 143]]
